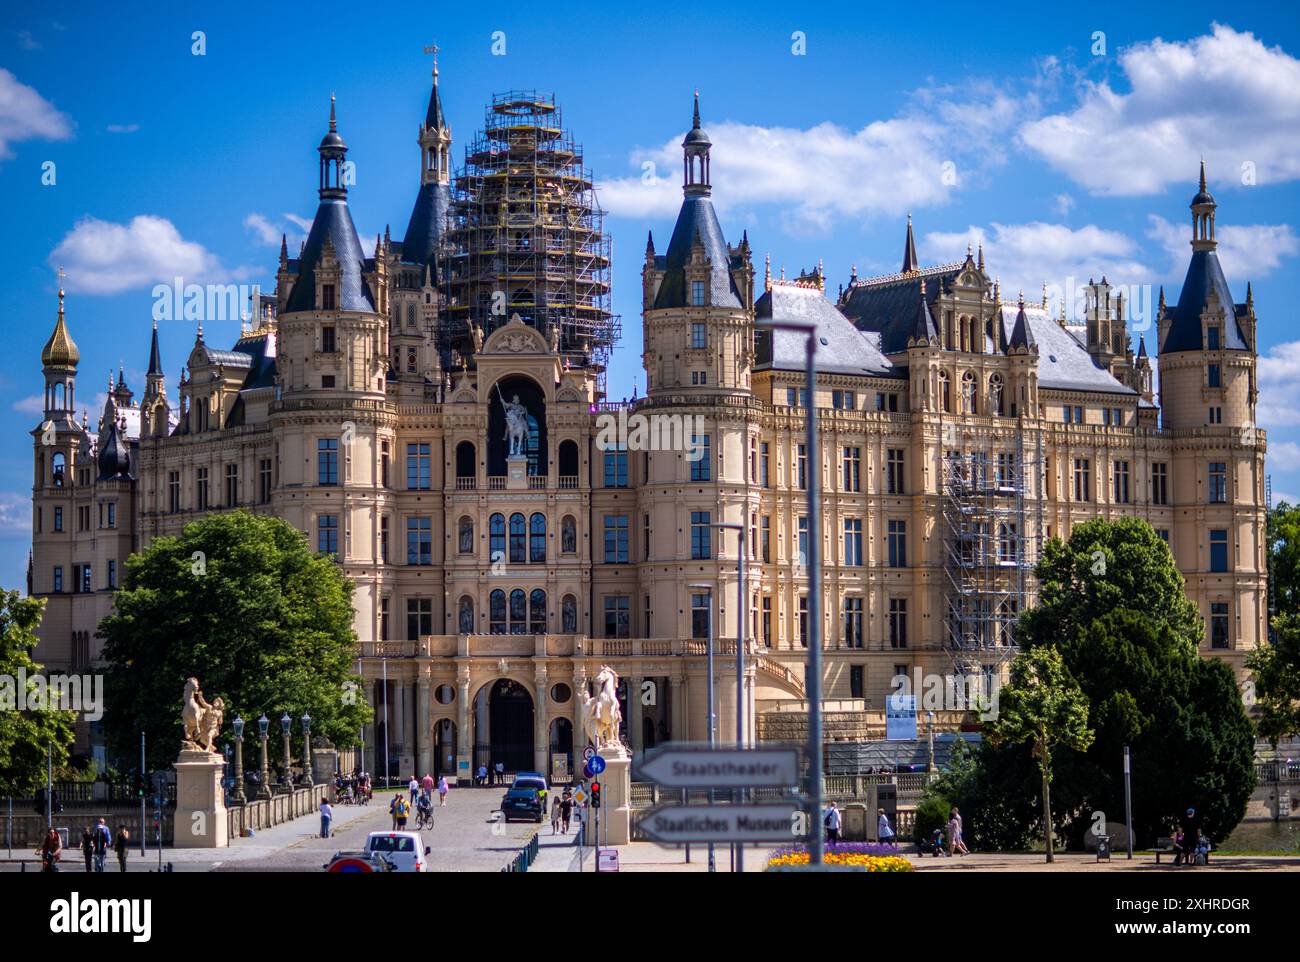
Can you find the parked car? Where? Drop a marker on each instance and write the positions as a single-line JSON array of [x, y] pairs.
[[521, 803], [404, 849]]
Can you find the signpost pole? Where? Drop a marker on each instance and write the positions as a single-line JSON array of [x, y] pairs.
[[1128, 804], [143, 824]]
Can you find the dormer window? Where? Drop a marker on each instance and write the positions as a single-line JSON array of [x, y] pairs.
[[697, 293], [327, 297], [1212, 375], [1212, 339]]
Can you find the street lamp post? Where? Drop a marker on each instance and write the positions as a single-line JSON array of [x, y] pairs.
[[708, 591], [264, 782], [306, 751], [286, 777], [237, 793], [742, 613], [813, 682]]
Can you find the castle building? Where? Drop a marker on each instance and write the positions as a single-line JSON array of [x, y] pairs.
[[431, 412]]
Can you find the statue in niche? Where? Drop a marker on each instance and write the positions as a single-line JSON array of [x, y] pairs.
[[466, 616], [568, 535], [466, 536], [516, 425], [569, 615]]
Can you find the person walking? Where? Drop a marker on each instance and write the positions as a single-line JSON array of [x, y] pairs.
[[88, 847], [413, 786], [326, 817], [480, 776], [884, 829], [400, 809], [397, 803], [426, 784], [103, 842], [555, 816], [501, 773], [955, 843], [442, 791], [120, 845], [834, 821], [51, 851], [566, 811]]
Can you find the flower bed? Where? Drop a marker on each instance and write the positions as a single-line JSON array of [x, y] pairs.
[[868, 855]]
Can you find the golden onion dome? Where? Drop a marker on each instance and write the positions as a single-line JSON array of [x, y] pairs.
[[60, 350]]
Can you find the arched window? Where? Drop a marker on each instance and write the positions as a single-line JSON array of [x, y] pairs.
[[568, 460], [969, 393], [537, 539], [57, 464], [569, 614], [465, 467], [497, 538], [945, 393], [517, 538], [518, 612], [537, 612], [465, 535], [995, 394], [466, 623], [568, 535], [497, 612]]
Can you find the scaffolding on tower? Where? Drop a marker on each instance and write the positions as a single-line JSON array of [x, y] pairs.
[[992, 511], [526, 236]]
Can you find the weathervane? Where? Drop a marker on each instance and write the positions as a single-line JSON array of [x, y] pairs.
[[433, 49]]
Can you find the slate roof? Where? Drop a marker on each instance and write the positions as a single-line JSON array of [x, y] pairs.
[[841, 348], [1203, 276], [888, 304], [333, 220], [428, 217], [1063, 362], [697, 218]]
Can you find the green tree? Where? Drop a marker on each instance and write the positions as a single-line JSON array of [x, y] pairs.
[[241, 603], [1284, 556], [1276, 666], [1044, 706], [26, 735]]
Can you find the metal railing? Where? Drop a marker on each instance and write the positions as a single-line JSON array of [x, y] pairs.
[[525, 858]]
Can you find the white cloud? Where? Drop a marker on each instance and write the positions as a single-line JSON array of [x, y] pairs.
[[105, 258], [1225, 96], [1245, 251], [32, 404], [1279, 372], [26, 115], [27, 41], [827, 172], [268, 232], [1063, 204], [1283, 455], [15, 512]]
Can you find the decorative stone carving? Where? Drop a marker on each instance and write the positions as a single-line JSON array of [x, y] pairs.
[[601, 714], [200, 721]]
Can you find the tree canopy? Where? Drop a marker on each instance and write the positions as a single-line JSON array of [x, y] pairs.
[[241, 603]]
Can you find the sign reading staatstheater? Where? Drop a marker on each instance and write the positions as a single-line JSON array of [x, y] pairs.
[[678, 765]]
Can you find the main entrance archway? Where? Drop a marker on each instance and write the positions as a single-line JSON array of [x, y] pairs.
[[503, 713]]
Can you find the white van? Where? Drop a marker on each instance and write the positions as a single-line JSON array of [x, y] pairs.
[[404, 849]]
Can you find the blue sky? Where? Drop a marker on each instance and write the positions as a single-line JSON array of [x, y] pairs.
[[1065, 137]]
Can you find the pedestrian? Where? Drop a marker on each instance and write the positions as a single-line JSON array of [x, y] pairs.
[[442, 791], [393, 807], [834, 820], [955, 843], [120, 845], [1189, 827], [326, 817], [884, 829], [103, 842], [566, 811], [413, 786], [426, 784], [555, 815], [480, 776], [501, 773], [88, 847], [51, 851], [400, 809]]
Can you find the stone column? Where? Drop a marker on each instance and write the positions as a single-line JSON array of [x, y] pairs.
[[464, 752], [541, 724], [579, 732], [424, 731]]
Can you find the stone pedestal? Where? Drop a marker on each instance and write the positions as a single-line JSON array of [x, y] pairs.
[[200, 803], [516, 472], [615, 802]]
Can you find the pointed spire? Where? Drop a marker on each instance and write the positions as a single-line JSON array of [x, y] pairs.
[[696, 126], [1142, 347], [924, 330], [1044, 295], [910, 261], [1202, 185], [767, 272], [60, 350], [650, 243], [1250, 295], [334, 124], [1162, 298], [1021, 335], [695, 149]]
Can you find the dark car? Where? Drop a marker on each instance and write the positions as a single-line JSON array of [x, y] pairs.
[[521, 803]]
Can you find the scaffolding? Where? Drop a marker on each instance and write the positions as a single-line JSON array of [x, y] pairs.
[[993, 522], [526, 236]]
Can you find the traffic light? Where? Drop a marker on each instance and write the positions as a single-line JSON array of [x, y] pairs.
[[139, 785], [595, 794]]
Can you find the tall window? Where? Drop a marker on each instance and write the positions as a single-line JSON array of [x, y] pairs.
[[767, 621], [853, 622], [801, 466], [897, 622], [894, 471], [1121, 482], [802, 559], [58, 578], [803, 620], [897, 536], [1008, 544], [383, 539], [263, 481], [700, 615], [1082, 479], [58, 519], [1006, 469], [618, 616], [327, 342], [1219, 624], [327, 534], [1159, 483], [497, 538], [517, 538], [1212, 376], [616, 546], [419, 467], [857, 685], [201, 488], [853, 542], [1218, 549], [327, 461], [1218, 482], [174, 491], [537, 538], [419, 541], [537, 611], [419, 618], [764, 460], [765, 538], [945, 392], [697, 293], [616, 469], [701, 542], [112, 574], [232, 486], [699, 339], [700, 468], [383, 619], [497, 612], [852, 469]]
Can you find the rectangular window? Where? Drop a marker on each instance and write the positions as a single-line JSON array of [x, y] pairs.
[[852, 469], [232, 486], [1082, 479], [1212, 375], [112, 574], [327, 461], [616, 469], [697, 293], [1219, 624], [897, 534], [1218, 482], [699, 339], [112, 514], [803, 620], [894, 471], [58, 519], [645, 534], [383, 539], [383, 464], [853, 542], [327, 343], [419, 541], [764, 464], [616, 550], [802, 558], [383, 619], [767, 622], [1078, 415], [58, 578], [419, 618], [419, 467], [1211, 338], [701, 532], [856, 685], [765, 538], [853, 622], [618, 616], [86, 579], [897, 622], [801, 467], [1066, 414], [173, 491], [1159, 483], [327, 534], [201, 489], [844, 400], [1120, 494], [1218, 549], [327, 297], [700, 615], [701, 467], [264, 481], [1163, 534]]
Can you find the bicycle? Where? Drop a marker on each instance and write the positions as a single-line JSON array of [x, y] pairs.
[[423, 820]]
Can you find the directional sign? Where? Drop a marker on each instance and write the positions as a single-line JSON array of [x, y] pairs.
[[596, 764], [692, 766], [676, 824]]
